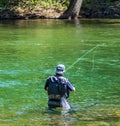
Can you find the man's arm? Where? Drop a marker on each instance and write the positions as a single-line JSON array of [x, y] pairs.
[[70, 86], [46, 85]]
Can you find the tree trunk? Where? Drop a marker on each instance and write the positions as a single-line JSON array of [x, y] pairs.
[[73, 10]]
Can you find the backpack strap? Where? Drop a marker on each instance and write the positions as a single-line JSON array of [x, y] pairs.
[[53, 79]]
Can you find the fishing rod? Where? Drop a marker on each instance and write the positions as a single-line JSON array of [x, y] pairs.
[[82, 57]]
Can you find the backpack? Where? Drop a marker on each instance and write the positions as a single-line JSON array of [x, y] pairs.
[[57, 86], [62, 87]]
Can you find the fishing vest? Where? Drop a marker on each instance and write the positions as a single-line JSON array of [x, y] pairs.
[[57, 87]]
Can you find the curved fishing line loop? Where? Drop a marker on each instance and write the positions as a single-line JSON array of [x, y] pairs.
[[82, 57]]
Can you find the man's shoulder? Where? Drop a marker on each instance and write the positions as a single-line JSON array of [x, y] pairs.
[[64, 78]]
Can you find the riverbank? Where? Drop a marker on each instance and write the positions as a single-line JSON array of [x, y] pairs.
[[36, 11], [31, 11]]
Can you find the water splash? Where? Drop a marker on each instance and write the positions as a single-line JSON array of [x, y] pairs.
[[65, 106]]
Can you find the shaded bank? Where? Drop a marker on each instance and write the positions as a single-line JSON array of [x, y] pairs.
[[36, 11], [101, 10]]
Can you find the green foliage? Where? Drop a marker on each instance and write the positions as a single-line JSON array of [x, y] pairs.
[[47, 3], [9, 2], [100, 1], [33, 1], [1, 2]]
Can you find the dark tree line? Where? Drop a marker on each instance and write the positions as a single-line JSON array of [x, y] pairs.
[[72, 11]]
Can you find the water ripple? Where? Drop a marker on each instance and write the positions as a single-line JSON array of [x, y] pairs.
[[10, 83]]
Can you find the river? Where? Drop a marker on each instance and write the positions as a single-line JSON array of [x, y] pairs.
[[29, 53]]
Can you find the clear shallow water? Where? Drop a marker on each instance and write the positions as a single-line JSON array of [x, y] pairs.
[[29, 53]]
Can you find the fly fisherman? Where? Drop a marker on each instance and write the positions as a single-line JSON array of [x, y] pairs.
[[58, 88]]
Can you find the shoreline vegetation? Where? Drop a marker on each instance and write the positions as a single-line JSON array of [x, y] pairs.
[[45, 10]]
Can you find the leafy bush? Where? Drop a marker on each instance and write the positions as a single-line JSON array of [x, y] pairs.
[[58, 3]]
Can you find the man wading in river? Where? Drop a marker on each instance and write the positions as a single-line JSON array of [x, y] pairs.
[[58, 88]]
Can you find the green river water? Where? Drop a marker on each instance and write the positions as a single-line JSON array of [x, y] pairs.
[[29, 53]]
